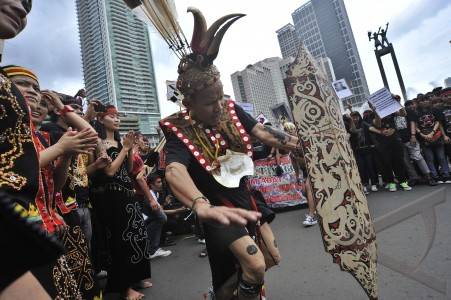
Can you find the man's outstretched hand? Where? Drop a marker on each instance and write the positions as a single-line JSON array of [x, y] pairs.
[[225, 215]]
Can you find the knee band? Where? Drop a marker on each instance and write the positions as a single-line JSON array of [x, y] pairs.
[[247, 289]]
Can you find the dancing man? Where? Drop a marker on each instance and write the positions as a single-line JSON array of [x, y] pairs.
[[207, 156]]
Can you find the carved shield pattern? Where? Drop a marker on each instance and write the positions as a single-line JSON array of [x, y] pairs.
[[346, 225]]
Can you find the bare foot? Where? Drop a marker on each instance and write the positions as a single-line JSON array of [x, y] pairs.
[[146, 283], [131, 294]]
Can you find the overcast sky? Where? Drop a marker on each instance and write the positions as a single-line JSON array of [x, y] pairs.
[[419, 29]]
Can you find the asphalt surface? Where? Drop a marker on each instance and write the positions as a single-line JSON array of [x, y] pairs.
[[307, 271]]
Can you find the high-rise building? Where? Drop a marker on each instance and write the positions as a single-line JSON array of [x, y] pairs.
[[288, 41], [262, 85], [324, 28], [447, 82], [117, 62]]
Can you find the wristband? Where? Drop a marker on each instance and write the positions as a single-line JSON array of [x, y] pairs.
[[197, 199], [66, 109]]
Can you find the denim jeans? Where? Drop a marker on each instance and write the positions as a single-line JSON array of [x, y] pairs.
[[154, 225], [414, 153], [433, 152]]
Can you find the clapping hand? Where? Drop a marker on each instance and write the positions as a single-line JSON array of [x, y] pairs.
[[128, 140], [52, 99], [83, 141], [103, 161]]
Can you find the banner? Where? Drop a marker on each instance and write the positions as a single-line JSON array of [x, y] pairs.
[[278, 191], [281, 113], [341, 89], [247, 107], [261, 119], [384, 103]]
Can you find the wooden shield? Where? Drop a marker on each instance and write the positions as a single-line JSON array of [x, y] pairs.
[[346, 225]]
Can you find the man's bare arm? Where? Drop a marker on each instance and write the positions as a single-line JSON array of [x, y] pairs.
[[186, 191], [274, 137]]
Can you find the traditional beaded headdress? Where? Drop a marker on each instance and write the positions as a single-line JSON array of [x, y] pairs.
[[12, 71], [196, 69]]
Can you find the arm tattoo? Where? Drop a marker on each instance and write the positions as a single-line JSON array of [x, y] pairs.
[[280, 136], [275, 243], [251, 249]]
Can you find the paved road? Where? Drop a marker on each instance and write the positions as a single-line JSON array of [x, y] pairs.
[[307, 272]]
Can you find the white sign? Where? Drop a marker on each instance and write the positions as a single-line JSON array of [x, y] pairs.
[[341, 89], [384, 103], [173, 94], [247, 107], [261, 119]]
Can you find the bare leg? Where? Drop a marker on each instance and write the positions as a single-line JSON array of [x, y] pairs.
[[272, 257], [310, 201], [253, 267], [131, 294], [23, 287], [229, 289], [269, 246]]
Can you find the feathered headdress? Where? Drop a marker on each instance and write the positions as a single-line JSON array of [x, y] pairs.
[[196, 69]]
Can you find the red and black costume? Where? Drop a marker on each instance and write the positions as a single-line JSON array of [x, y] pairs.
[[24, 245], [183, 146]]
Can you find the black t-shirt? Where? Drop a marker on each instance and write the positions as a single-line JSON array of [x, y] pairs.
[[76, 184], [176, 151], [426, 119], [387, 123], [446, 113], [403, 125]]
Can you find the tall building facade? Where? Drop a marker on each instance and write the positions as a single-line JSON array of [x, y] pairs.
[[447, 82], [324, 28], [117, 62], [289, 41], [262, 85]]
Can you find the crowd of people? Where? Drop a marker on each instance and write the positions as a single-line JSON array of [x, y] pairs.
[[406, 148], [79, 202]]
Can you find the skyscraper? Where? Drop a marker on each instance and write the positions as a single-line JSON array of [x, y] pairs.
[[117, 62], [447, 82], [324, 28], [262, 85], [288, 41]]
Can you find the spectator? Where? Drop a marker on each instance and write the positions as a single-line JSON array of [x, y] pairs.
[[156, 219], [364, 149], [412, 147], [392, 159], [446, 112], [427, 122], [121, 212], [76, 191], [298, 161]]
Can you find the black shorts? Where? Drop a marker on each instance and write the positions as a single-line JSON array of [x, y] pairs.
[[222, 261]]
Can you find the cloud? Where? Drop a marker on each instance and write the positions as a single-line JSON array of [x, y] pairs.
[[411, 92], [412, 18], [49, 46], [419, 30]]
